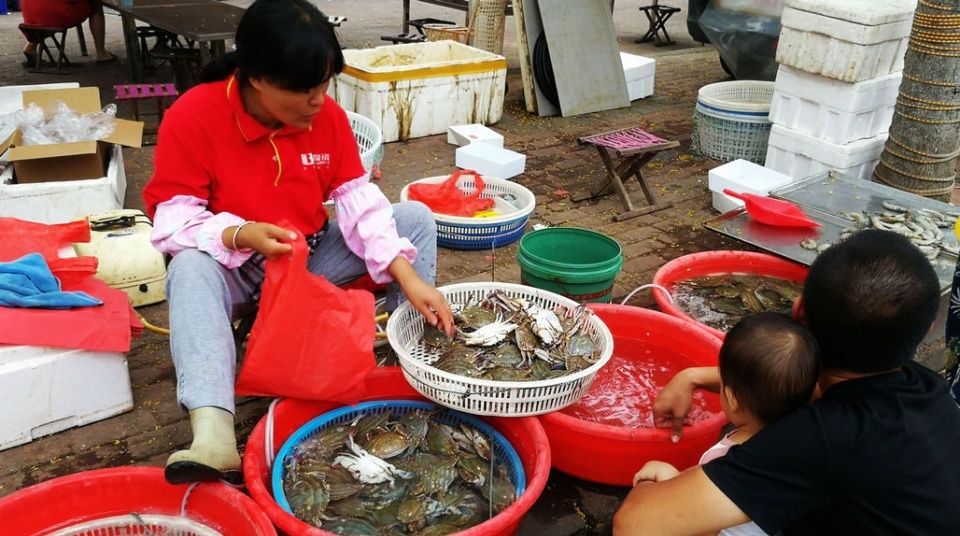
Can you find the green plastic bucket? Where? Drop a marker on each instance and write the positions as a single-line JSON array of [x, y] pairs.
[[577, 263]]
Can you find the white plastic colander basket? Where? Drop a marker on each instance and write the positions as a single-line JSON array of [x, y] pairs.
[[489, 397], [458, 232], [131, 525], [742, 99], [731, 120], [369, 139]]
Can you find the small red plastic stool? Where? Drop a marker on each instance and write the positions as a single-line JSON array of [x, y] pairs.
[[137, 92]]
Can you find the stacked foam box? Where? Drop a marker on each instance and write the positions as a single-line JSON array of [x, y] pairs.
[[840, 72]]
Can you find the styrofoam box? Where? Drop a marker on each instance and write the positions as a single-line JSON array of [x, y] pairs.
[[420, 89], [639, 73], [742, 176], [63, 201], [834, 111], [798, 155], [466, 134], [853, 40], [490, 160], [46, 390]]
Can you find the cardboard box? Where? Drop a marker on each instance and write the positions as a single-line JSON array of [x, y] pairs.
[[64, 201], [490, 160], [68, 161], [466, 134]]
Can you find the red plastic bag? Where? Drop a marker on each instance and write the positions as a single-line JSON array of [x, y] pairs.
[[311, 340], [106, 328], [447, 198]]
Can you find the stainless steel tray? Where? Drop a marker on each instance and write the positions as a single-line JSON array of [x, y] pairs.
[[834, 193], [785, 241]]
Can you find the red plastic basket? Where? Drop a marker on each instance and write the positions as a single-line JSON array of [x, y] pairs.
[[525, 434], [612, 454], [720, 263], [85, 497]]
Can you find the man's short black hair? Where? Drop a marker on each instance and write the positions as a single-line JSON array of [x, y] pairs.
[[770, 363], [869, 301]]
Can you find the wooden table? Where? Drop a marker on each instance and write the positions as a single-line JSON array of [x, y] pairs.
[[459, 5], [206, 22]]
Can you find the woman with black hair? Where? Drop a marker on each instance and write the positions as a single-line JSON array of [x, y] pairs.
[[255, 144]]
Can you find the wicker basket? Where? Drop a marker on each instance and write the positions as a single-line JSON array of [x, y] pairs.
[[488, 21], [489, 397], [458, 232], [441, 32]]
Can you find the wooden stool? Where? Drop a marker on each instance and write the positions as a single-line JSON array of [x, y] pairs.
[[657, 16], [635, 147], [134, 93], [39, 35]]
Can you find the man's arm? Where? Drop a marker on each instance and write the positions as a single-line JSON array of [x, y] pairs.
[[687, 504]]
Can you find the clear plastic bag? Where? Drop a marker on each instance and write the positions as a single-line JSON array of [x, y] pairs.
[[64, 125]]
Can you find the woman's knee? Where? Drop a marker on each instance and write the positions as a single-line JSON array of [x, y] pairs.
[[192, 265], [414, 217]]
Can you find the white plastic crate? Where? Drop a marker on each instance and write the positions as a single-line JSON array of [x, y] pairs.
[[834, 111], [798, 155], [46, 390], [639, 73], [64, 201], [853, 40], [742, 176], [419, 89]]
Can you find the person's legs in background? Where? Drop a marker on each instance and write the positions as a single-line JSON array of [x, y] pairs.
[[98, 30]]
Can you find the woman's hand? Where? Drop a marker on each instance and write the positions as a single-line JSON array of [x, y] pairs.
[[655, 471], [423, 297], [265, 238]]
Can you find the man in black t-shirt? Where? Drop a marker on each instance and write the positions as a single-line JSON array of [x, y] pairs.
[[874, 455]]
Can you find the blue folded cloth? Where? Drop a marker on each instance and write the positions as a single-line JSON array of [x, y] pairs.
[[28, 282]]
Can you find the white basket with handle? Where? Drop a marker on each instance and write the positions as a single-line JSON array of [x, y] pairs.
[[491, 397], [369, 139]]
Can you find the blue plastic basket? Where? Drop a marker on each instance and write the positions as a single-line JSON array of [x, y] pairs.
[[502, 449], [457, 232]]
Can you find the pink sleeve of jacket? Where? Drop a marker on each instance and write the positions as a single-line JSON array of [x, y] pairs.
[[183, 222], [365, 217]]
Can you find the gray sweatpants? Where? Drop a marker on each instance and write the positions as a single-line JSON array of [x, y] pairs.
[[204, 298]]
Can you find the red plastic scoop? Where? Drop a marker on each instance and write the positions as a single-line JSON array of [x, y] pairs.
[[773, 211]]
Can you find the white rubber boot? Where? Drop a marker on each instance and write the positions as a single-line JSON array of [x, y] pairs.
[[212, 454]]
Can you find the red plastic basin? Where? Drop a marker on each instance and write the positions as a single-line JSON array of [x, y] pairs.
[[524, 433], [90, 495], [723, 262], [612, 454]]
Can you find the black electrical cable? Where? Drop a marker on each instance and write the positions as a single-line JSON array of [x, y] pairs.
[[543, 70]]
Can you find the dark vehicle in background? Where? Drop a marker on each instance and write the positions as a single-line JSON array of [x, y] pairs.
[[744, 32]]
